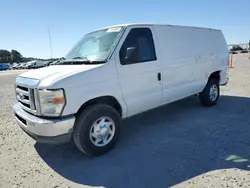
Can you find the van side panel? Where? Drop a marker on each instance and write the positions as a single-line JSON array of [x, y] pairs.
[[189, 56]]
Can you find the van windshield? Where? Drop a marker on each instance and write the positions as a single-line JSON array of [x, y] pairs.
[[96, 46]]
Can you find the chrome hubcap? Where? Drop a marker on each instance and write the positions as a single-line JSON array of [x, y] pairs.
[[102, 131], [213, 93]]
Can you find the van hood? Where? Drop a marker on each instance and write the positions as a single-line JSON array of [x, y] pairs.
[[56, 72]]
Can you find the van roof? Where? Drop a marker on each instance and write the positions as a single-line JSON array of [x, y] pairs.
[[151, 24]]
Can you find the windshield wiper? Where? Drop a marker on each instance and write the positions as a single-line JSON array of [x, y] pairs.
[[83, 58]]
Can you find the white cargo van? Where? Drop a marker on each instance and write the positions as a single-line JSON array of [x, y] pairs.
[[117, 72], [35, 64]]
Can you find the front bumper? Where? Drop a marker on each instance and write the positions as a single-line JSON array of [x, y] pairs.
[[54, 131]]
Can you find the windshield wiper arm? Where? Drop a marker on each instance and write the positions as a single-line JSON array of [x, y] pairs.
[[83, 58]]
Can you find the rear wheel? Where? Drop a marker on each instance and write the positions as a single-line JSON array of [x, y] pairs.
[[210, 94], [97, 129]]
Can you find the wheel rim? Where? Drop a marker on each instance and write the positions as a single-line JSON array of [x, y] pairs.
[[213, 93], [102, 131]]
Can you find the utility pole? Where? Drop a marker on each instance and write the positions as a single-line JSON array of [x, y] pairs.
[[50, 43]]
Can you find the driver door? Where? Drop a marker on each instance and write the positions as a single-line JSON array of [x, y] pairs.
[[140, 80]]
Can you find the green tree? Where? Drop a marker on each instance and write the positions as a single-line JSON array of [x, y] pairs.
[[16, 56], [249, 45], [5, 56]]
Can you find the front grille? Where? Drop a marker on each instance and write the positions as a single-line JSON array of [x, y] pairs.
[[26, 99], [26, 105], [22, 88]]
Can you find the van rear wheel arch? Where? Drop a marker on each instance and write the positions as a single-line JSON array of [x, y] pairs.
[[215, 76]]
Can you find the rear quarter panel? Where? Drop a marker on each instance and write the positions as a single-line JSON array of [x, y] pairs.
[[193, 54]]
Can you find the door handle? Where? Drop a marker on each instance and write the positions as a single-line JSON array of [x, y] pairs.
[[159, 76]]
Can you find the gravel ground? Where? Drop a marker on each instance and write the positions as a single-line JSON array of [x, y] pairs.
[[179, 145]]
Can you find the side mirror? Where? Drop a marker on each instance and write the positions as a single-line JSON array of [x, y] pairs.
[[132, 55]]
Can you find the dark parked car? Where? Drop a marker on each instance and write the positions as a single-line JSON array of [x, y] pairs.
[[233, 52], [4, 67], [244, 51]]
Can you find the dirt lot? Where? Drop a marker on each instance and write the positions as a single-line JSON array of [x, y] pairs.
[[179, 145]]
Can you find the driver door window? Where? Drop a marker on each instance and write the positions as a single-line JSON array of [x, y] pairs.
[[142, 39]]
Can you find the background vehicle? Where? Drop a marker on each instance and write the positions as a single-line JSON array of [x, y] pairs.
[[244, 51], [10, 66], [117, 72], [29, 64], [4, 66], [48, 63], [25, 66], [18, 66], [14, 65], [35, 64], [22, 66], [56, 62]]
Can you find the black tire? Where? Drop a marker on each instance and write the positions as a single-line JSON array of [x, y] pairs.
[[204, 96], [83, 124]]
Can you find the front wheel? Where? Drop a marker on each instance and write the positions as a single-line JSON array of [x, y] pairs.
[[97, 129], [210, 94]]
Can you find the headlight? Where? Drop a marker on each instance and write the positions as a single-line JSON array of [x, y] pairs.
[[52, 102]]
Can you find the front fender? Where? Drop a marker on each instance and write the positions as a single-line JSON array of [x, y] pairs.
[[77, 96]]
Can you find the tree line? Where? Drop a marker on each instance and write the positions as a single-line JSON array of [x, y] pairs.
[[14, 56], [10, 56]]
